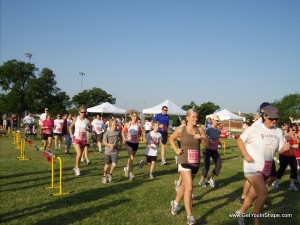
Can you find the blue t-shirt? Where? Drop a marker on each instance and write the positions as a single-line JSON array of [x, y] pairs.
[[162, 119], [213, 135]]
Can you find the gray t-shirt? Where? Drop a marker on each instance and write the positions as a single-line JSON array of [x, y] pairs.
[[112, 137]]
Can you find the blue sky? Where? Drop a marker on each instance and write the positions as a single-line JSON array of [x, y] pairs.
[[234, 53]]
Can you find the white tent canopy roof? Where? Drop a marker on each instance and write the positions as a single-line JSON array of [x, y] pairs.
[[106, 107], [226, 115], [173, 109]]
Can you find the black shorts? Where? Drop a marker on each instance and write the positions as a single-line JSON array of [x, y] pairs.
[[194, 169], [57, 134], [164, 137], [134, 146], [45, 136], [150, 158]]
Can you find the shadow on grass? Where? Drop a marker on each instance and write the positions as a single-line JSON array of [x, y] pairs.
[[91, 195]]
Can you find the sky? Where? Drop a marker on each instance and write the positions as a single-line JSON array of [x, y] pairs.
[[233, 53]]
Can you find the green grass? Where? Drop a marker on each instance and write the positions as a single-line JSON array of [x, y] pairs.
[[143, 201]]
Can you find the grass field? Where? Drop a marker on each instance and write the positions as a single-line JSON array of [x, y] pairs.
[[143, 201]]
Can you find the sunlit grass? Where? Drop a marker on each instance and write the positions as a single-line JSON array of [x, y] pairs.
[[143, 201]]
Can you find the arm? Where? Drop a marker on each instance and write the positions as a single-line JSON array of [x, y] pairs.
[[176, 134], [71, 128], [203, 138], [242, 148], [123, 132]]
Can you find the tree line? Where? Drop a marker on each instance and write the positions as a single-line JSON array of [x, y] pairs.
[[26, 89]]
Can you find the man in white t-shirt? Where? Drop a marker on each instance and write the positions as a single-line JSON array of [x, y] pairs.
[[28, 120]]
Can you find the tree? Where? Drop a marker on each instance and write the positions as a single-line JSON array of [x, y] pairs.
[[90, 98], [204, 109], [46, 94], [288, 106], [14, 78], [24, 90]]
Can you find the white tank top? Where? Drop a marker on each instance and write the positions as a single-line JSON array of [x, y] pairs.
[[133, 133], [81, 128]]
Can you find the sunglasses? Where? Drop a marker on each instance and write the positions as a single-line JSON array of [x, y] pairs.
[[165, 110], [272, 119], [294, 130], [82, 112]]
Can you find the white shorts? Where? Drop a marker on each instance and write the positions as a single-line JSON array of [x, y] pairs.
[[180, 168]]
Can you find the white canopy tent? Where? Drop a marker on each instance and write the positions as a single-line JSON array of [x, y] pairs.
[[106, 107], [173, 109], [226, 115]]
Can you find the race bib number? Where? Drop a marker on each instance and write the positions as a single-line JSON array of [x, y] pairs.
[[165, 128], [267, 168], [98, 128], [59, 129], [214, 145], [134, 138], [82, 136], [193, 156]]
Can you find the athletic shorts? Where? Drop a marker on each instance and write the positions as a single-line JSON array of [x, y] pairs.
[[109, 159], [164, 137], [297, 154], [188, 167], [45, 136], [132, 146], [57, 134], [97, 137], [266, 177], [150, 158], [82, 143]]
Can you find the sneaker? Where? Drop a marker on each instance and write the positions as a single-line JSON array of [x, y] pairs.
[[241, 200], [141, 165], [131, 177], [176, 186], [191, 220], [293, 188], [104, 180], [151, 176], [100, 151], [163, 162], [88, 162], [211, 182], [275, 184], [109, 178], [126, 171], [59, 147], [77, 171], [240, 218], [175, 208], [202, 183], [82, 160]]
